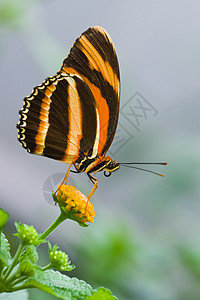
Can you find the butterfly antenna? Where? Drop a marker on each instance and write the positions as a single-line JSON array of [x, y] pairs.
[[131, 165]]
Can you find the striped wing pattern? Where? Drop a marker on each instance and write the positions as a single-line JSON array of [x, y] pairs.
[[94, 58], [74, 113]]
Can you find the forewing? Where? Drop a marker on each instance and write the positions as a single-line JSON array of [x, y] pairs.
[[94, 59]]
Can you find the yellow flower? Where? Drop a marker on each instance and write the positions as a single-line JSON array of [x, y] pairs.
[[76, 204]]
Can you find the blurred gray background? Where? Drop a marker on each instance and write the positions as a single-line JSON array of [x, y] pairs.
[[145, 241]]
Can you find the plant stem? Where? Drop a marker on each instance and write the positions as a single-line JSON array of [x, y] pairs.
[[53, 226], [46, 267], [15, 260], [18, 280]]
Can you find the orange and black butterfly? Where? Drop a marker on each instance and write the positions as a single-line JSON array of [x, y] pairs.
[[72, 116]]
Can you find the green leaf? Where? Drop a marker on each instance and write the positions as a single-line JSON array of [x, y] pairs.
[[4, 216], [50, 248], [102, 293], [59, 285], [19, 295], [4, 252]]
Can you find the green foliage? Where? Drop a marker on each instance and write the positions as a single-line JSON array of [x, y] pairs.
[[114, 250], [190, 260], [22, 272], [60, 285], [11, 13], [101, 293], [4, 216], [4, 252]]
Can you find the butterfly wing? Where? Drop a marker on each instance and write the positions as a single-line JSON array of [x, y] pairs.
[[74, 113], [56, 116], [93, 57]]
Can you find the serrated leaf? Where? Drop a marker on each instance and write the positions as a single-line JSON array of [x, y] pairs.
[[4, 216], [19, 295], [102, 293], [4, 251], [61, 286]]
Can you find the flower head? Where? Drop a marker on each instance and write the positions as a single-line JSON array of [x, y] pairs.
[[59, 259], [75, 204], [28, 234]]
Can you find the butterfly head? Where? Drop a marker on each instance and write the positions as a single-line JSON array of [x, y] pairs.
[[110, 166]]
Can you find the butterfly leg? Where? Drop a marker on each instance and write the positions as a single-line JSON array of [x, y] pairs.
[[66, 175], [65, 178], [95, 186]]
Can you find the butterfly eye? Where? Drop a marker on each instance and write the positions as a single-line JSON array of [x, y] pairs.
[[106, 173]]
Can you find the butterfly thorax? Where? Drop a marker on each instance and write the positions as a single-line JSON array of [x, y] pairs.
[[96, 164]]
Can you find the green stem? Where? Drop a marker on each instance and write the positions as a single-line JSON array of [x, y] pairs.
[[15, 260], [12, 278], [46, 267], [21, 287], [53, 226], [17, 281]]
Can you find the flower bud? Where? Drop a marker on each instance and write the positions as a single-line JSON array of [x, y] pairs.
[[59, 259], [26, 268], [28, 234]]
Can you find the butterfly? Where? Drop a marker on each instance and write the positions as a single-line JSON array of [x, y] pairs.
[[72, 116]]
